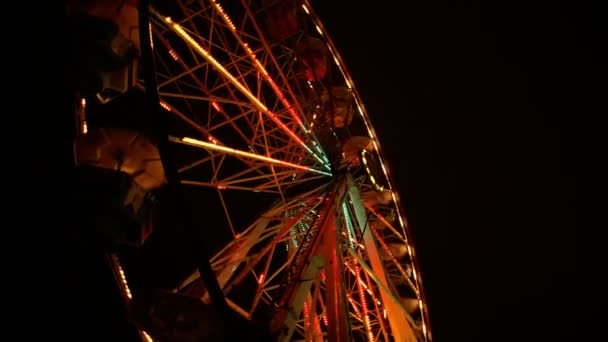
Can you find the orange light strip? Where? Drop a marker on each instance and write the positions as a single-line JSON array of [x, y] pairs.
[[368, 325], [83, 116], [220, 68], [169, 108], [124, 286], [260, 67], [381, 285], [229, 150]]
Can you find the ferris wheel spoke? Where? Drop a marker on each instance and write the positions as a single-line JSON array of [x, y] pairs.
[[267, 135], [198, 87], [237, 80], [262, 234], [250, 180], [245, 154], [247, 107], [260, 67], [259, 109], [373, 307], [237, 97], [270, 54], [307, 315]]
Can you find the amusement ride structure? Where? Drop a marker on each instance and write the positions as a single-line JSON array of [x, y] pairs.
[[232, 130]]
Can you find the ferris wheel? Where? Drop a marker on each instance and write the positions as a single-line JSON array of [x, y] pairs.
[[306, 230]]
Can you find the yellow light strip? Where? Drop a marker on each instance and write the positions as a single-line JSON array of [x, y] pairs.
[[229, 150], [220, 68]]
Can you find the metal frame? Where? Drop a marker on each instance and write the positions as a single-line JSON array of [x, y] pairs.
[[240, 103]]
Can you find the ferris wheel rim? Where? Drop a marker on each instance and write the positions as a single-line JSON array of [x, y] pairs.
[[155, 95]]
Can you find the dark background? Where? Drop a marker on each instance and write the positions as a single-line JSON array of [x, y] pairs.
[[465, 97]]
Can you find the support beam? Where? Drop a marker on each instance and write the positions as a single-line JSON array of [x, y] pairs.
[[338, 329], [175, 27], [232, 151], [400, 327], [159, 130], [297, 303]]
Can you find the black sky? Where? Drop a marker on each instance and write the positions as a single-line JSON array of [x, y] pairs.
[[463, 96]]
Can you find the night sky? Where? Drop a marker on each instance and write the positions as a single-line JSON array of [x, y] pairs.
[[462, 96]]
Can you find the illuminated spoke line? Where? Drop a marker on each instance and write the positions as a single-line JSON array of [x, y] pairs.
[[220, 68], [235, 152], [256, 62]]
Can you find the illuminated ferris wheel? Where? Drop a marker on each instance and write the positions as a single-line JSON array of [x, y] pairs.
[[263, 119]]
